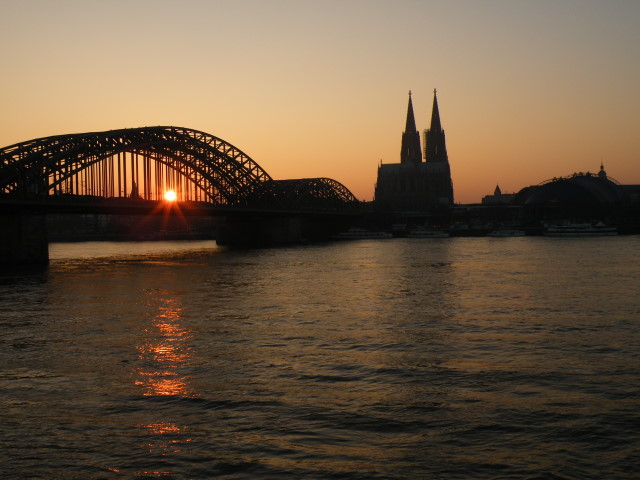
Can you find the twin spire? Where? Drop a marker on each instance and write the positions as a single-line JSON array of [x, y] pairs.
[[410, 150]]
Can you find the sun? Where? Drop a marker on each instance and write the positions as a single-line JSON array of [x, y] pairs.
[[170, 196]]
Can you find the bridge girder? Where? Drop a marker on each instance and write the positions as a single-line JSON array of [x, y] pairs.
[[222, 171], [225, 174], [316, 193]]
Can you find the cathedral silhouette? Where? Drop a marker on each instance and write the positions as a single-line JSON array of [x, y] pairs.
[[414, 185]]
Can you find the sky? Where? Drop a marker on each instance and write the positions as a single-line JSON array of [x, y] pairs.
[[527, 90]]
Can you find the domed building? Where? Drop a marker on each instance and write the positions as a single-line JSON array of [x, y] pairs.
[[579, 189], [578, 197]]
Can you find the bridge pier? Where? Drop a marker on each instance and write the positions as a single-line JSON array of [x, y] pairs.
[[273, 230], [259, 231], [23, 239]]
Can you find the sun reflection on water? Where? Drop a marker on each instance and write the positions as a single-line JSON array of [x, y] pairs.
[[168, 350], [166, 354]]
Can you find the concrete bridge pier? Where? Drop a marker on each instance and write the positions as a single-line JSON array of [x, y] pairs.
[[259, 231], [23, 239], [273, 230]]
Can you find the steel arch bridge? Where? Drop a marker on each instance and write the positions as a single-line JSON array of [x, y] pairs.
[[144, 162]]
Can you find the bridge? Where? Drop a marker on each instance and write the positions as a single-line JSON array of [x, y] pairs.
[[136, 170]]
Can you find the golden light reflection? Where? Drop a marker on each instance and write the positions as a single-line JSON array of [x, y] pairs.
[[167, 353], [162, 427], [167, 348], [164, 386], [171, 438]]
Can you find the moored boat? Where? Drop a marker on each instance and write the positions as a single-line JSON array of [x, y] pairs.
[[579, 230], [360, 233], [424, 233], [506, 232]]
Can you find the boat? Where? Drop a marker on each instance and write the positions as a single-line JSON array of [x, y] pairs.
[[506, 232], [424, 233], [360, 233], [579, 230]]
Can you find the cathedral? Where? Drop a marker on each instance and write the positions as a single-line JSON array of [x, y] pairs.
[[414, 185]]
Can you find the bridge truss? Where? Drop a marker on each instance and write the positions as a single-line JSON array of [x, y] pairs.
[[146, 162], [303, 193]]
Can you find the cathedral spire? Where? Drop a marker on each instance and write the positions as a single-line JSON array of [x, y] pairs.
[[435, 149], [436, 126], [411, 120], [435, 153], [410, 151]]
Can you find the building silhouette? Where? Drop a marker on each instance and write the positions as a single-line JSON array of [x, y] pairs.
[[418, 191], [414, 186], [498, 198], [580, 197], [583, 197], [410, 151]]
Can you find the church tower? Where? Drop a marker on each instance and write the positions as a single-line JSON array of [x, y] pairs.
[[410, 150], [435, 153], [435, 148], [415, 187]]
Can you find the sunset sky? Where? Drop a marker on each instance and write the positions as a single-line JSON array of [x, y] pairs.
[[527, 90]]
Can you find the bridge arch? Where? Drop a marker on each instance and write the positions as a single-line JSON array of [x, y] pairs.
[[144, 162], [305, 193], [130, 162]]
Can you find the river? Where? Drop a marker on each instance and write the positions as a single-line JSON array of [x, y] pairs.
[[459, 358]]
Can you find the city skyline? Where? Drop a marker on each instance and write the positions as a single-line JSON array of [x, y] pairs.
[[318, 89]]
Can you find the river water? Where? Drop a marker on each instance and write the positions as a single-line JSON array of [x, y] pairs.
[[460, 358]]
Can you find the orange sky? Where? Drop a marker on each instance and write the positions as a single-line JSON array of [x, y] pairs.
[[527, 90]]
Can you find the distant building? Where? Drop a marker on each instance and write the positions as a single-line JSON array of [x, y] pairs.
[[580, 191], [581, 197], [413, 185], [498, 198]]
